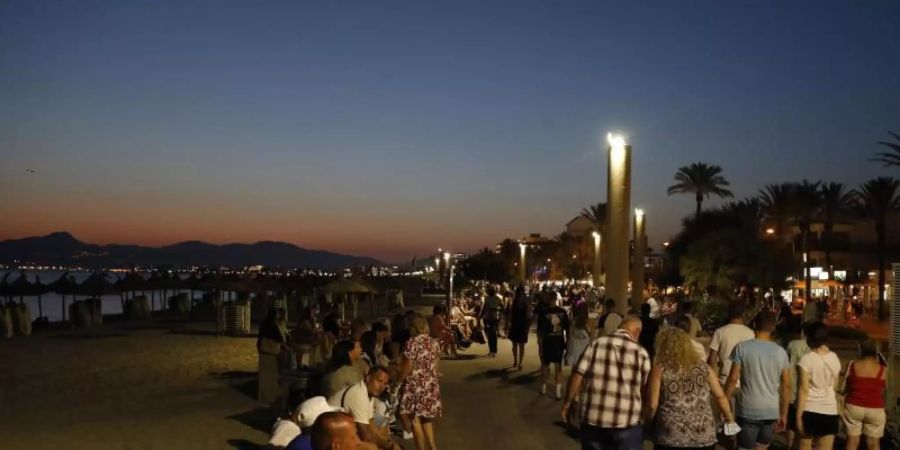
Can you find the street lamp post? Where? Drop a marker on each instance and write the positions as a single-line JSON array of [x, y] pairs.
[[597, 271], [522, 248], [637, 266], [449, 279], [618, 216]]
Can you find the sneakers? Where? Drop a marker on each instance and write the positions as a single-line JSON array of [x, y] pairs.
[[407, 436]]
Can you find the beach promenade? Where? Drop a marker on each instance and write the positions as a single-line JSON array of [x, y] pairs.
[[177, 386]]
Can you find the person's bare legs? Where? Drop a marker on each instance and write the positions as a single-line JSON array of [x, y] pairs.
[[545, 371], [824, 442], [419, 434], [406, 423], [428, 428], [521, 354], [557, 374], [853, 442], [805, 443], [515, 352], [873, 443]]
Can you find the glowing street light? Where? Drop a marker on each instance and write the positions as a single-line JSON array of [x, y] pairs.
[[770, 231], [522, 248], [597, 271], [618, 220], [637, 266]]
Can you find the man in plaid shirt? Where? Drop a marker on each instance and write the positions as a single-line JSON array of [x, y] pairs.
[[614, 371]]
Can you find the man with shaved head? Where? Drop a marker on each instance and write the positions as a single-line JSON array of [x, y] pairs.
[[337, 431], [613, 371]]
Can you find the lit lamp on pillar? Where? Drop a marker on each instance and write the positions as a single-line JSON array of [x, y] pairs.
[[597, 270], [522, 248], [449, 280], [637, 266], [618, 218]]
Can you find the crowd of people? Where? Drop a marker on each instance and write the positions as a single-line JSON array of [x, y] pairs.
[[634, 376], [384, 376]]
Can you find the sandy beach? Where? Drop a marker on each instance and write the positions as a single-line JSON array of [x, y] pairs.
[[127, 387]]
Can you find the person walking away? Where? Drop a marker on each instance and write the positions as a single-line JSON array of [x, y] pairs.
[[610, 320], [654, 306], [649, 329], [762, 367], [726, 338], [864, 398], [817, 405], [810, 311], [613, 371], [684, 324], [682, 411], [579, 336], [796, 349], [553, 325], [490, 318], [421, 397], [519, 326], [687, 310]]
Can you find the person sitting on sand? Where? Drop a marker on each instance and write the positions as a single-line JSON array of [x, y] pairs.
[[292, 433], [341, 370], [336, 431], [357, 400]]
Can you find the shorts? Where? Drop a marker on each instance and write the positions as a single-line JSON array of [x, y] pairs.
[[792, 417], [815, 424], [866, 421], [755, 433], [552, 349]]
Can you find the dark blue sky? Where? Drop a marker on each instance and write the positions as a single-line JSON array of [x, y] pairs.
[[390, 129]]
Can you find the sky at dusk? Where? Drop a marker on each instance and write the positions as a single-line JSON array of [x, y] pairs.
[[389, 129]]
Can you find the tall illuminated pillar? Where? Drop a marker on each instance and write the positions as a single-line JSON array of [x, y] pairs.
[[637, 265], [618, 207], [597, 266], [522, 248]]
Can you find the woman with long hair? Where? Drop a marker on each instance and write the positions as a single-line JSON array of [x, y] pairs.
[[270, 344], [817, 405], [340, 371], [864, 398], [678, 395], [420, 400], [519, 326], [579, 336]]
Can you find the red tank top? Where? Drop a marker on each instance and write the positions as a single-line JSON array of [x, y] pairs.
[[867, 392]]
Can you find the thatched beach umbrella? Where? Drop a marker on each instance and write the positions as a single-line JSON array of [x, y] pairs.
[[65, 285], [20, 287], [347, 288], [96, 285], [38, 289]]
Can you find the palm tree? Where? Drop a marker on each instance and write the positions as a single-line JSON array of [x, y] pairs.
[[836, 202], [702, 180], [805, 201], [596, 214], [879, 199], [775, 200], [891, 157]]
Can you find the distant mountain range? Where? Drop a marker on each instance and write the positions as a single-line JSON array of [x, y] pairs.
[[64, 249]]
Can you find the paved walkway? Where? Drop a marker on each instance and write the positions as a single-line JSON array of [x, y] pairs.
[[488, 406]]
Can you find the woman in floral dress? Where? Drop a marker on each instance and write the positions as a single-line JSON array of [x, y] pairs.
[[421, 397]]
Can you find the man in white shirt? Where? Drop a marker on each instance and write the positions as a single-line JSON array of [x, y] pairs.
[[358, 401], [684, 322], [726, 338], [654, 307]]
